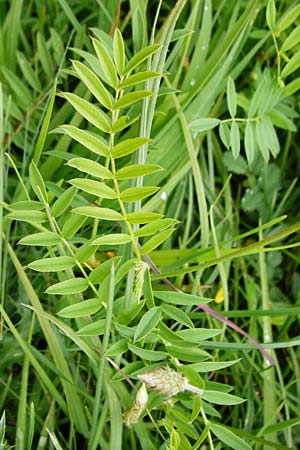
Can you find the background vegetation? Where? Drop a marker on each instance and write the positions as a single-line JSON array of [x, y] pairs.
[[149, 147]]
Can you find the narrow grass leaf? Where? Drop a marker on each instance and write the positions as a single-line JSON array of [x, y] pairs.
[[89, 111], [180, 298], [131, 98], [147, 323], [94, 85], [200, 125], [44, 56], [28, 72], [81, 309], [54, 264], [43, 239], [68, 287], [137, 193], [148, 355], [231, 97], [142, 217], [229, 438], [137, 170], [88, 140], [140, 56], [90, 167], [98, 213], [106, 62], [112, 239], [211, 366], [249, 142], [221, 398], [119, 51], [63, 202], [128, 146], [235, 142], [93, 187], [96, 328], [155, 241], [139, 77]]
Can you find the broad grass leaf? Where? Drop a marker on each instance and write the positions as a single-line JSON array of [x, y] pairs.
[[43, 239], [98, 213], [235, 142], [148, 355], [271, 14], [133, 194], [131, 98], [198, 334], [63, 202], [224, 133], [292, 40], [81, 309], [96, 328], [72, 225], [90, 167], [155, 241], [139, 77], [143, 217], [106, 63], [72, 286], [137, 170], [93, 187], [28, 216], [128, 146], [288, 18], [147, 323], [54, 264], [154, 227], [119, 51], [140, 56], [249, 142], [178, 315], [229, 438], [89, 111], [88, 140], [37, 183], [187, 354], [205, 124], [221, 398], [180, 298], [291, 66], [231, 97], [212, 366], [112, 239], [94, 85]]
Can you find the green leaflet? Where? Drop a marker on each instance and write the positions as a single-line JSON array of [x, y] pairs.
[[137, 193], [98, 213], [67, 287], [156, 240], [235, 142], [89, 111], [198, 334], [112, 239], [229, 438], [88, 140], [204, 124], [231, 97], [128, 146], [136, 170], [27, 205], [106, 62], [119, 52], [52, 264], [63, 202], [90, 167], [28, 216], [139, 77], [45, 238], [140, 56], [93, 187], [131, 98], [81, 309], [37, 183], [93, 83], [149, 321], [148, 355], [180, 298], [221, 398], [211, 366], [93, 329], [142, 217]]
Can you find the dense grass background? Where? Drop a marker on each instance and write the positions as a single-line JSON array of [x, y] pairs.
[[232, 188]]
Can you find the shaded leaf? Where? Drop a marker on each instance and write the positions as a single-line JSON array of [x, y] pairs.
[[148, 355], [235, 143], [154, 227], [63, 202], [198, 334], [229, 438], [224, 133], [147, 323], [139, 77], [292, 40], [137, 170], [180, 298], [249, 142], [178, 315], [221, 398], [37, 183], [211, 366], [96, 328]]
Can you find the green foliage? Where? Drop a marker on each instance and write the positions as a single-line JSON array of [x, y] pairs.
[[160, 142]]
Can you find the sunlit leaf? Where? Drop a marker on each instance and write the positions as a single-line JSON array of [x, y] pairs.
[[119, 51], [180, 298], [90, 167], [52, 264], [128, 146], [204, 124], [229, 438], [137, 170], [139, 77], [63, 202], [149, 321], [235, 142], [231, 97], [140, 56], [137, 193], [156, 240], [112, 239], [106, 62], [93, 329], [93, 187], [143, 217], [81, 309], [45, 238], [88, 140], [148, 355], [67, 287], [98, 213], [292, 40], [131, 98]]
